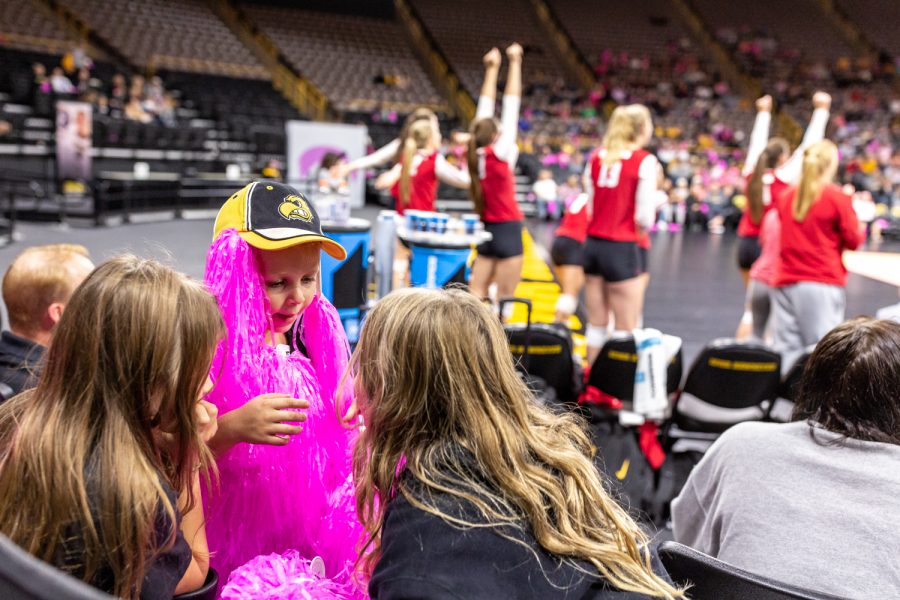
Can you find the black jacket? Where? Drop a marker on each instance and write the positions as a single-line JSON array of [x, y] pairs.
[[424, 557], [20, 361]]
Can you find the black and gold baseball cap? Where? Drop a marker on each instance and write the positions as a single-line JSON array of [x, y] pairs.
[[274, 216]]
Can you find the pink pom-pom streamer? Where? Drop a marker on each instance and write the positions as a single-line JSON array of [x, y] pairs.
[[278, 498], [285, 576]]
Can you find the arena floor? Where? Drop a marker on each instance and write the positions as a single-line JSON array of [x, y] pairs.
[[695, 291]]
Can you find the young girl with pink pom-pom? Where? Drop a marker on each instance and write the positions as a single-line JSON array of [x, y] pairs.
[[285, 495]]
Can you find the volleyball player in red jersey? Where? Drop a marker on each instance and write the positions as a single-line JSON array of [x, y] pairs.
[[414, 180], [621, 181], [817, 224], [390, 152], [492, 160], [567, 254], [769, 170]]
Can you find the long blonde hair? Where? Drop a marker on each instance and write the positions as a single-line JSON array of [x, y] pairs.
[[441, 385], [481, 133], [418, 136], [818, 159], [626, 124], [78, 456]]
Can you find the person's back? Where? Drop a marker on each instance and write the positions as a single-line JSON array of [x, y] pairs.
[[497, 562], [812, 502], [775, 501]]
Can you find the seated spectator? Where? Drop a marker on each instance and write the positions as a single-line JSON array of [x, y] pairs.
[[36, 289], [101, 462], [60, 83], [814, 502], [467, 487]]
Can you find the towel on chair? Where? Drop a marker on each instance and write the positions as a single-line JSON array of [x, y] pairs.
[[654, 352]]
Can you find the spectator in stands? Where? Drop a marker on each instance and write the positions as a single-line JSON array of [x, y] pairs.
[[134, 111], [60, 83], [36, 289], [813, 502], [102, 461], [118, 94], [546, 194], [465, 483]]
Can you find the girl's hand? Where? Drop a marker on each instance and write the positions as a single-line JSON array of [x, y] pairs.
[[207, 422], [514, 52], [265, 419], [764, 104], [492, 59]]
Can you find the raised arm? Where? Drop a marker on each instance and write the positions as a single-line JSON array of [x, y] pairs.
[[760, 134], [505, 146], [488, 97], [789, 172], [380, 157]]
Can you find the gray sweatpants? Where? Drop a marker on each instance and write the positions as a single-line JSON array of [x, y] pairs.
[[760, 304], [802, 314]]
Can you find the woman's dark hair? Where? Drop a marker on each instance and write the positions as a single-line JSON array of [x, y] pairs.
[[850, 384], [330, 159], [482, 133], [775, 149]]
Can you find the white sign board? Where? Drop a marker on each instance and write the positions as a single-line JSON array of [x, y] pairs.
[[308, 143], [73, 140]]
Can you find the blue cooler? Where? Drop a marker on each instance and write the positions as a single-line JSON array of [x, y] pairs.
[[344, 282], [436, 263]]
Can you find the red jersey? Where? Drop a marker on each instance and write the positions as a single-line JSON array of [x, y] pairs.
[[615, 191], [773, 187], [499, 188], [811, 250], [574, 223], [423, 185]]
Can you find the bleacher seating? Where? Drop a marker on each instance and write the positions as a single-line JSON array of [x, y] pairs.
[[349, 57], [25, 26], [182, 35], [877, 20]]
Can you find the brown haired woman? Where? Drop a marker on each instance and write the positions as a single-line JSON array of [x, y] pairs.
[[791, 501], [769, 170], [99, 465], [492, 160], [817, 225], [466, 486]]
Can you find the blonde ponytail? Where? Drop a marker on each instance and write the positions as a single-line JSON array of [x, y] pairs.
[[626, 124], [817, 160], [418, 136]]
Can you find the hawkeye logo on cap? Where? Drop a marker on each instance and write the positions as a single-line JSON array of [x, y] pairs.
[[295, 208]]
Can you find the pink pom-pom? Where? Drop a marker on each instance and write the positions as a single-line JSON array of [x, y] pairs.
[[285, 576]]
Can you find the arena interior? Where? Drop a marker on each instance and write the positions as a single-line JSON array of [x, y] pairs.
[[683, 223]]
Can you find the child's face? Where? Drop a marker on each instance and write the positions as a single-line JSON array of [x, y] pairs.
[[291, 278]]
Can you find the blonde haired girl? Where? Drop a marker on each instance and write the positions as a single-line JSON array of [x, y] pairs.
[[464, 482], [413, 181], [817, 225], [91, 461], [620, 179]]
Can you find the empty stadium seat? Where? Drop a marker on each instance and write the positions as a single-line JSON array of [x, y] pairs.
[[730, 381], [712, 579], [549, 356]]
